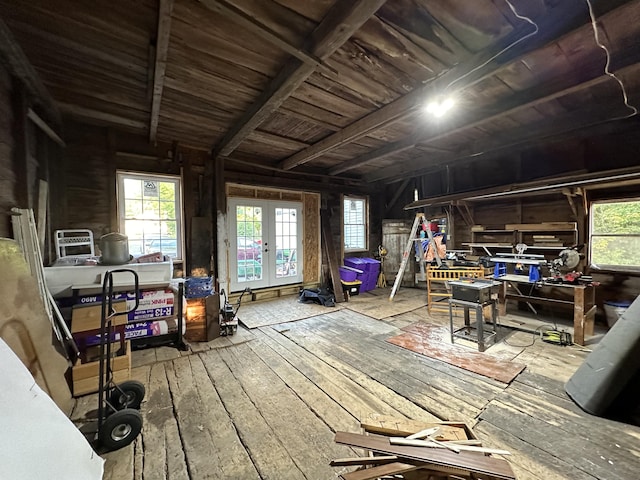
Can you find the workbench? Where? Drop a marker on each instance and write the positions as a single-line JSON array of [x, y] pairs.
[[582, 303]]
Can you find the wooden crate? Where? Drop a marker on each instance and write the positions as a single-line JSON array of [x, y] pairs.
[[88, 317], [85, 376]]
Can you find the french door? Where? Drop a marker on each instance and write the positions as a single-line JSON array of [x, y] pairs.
[[265, 243]]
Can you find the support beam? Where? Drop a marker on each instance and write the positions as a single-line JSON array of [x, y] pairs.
[[84, 113], [515, 104], [482, 65], [248, 23], [20, 67], [580, 123], [35, 118], [160, 67], [339, 24]]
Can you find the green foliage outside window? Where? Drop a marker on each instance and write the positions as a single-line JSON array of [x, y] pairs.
[[615, 235]]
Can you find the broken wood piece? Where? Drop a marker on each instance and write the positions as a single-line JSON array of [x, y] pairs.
[[430, 443], [427, 432], [435, 457], [453, 448], [387, 425], [352, 461]]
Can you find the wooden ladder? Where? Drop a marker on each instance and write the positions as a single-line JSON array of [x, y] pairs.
[[413, 238]]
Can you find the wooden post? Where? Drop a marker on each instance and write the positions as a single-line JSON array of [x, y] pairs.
[[327, 238]]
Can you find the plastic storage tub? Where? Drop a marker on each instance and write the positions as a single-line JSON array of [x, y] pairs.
[[614, 310], [349, 274], [362, 265]]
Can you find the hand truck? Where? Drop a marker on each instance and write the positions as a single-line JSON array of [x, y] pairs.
[[119, 421]]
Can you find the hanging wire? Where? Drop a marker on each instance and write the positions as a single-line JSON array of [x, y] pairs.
[[634, 110], [521, 39]]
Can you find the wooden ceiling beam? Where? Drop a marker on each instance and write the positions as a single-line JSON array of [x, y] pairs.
[[103, 118], [250, 24], [577, 124], [20, 67], [480, 66], [340, 23], [515, 104], [165, 10]]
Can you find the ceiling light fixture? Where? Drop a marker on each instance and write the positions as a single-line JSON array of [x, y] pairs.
[[440, 106]]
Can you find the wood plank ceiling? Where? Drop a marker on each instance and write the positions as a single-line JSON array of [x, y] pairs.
[[333, 87]]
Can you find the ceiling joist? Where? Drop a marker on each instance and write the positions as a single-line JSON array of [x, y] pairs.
[[160, 66], [339, 24], [21, 68], [479, 67]]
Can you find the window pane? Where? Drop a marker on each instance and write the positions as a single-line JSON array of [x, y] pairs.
[[615, 234], [355, 227], [150, 211]]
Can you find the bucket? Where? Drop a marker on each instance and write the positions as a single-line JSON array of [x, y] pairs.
[[115, 249], [614, 310]]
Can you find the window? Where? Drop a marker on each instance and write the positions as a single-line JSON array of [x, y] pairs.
[[355, 223], [150, 213], [615, 235]]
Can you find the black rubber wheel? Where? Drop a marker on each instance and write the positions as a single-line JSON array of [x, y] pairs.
[[127, 394], [120, 429]]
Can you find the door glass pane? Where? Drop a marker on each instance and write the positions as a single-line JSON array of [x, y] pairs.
[[249, 246], [286, 241]]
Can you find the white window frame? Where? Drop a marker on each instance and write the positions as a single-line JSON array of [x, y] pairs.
[[365, 200], [121, 175], [593, 237]]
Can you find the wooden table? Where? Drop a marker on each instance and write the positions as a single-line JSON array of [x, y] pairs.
[[583, 302]]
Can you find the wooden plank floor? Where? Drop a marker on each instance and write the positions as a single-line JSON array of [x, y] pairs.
[[265, 403]]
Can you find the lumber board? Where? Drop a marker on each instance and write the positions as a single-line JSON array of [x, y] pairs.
[[464, 460], [394, 468], [327, 241], [542, 227]]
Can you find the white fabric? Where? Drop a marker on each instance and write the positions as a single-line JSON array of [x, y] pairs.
[[37, 440]]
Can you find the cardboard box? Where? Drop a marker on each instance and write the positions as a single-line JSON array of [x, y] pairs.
[[88, 317], [85, 376]]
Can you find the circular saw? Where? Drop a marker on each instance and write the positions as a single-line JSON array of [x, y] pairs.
[[569, 258]]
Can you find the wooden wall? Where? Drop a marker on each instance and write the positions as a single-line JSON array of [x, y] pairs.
[[87, 185], [7, 177]]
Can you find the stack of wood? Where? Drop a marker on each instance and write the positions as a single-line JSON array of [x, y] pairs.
[[420, 451], [547, 241]]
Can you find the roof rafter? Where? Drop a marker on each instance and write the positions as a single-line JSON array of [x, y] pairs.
[[580, 123], [21, 68], [249, 23], [339, 24], [482, 65], [162, 48]]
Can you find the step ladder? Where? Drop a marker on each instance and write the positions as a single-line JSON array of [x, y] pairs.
[[410, 250]]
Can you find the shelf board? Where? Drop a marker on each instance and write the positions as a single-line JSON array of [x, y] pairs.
[[480, 245]]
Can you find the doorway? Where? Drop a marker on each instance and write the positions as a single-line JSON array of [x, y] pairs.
[[267, 238]]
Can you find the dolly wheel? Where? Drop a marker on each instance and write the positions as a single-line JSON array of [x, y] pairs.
[[120, 429], [127, 394]]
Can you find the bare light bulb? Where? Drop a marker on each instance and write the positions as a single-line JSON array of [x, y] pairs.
[[439, 107]]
